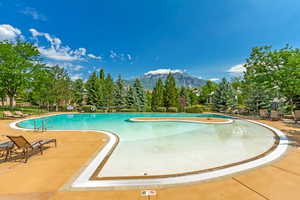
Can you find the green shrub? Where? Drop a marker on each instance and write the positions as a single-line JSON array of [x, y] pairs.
[[148, 109], [161, 109], [66, 108], [88, 108], [195, 109], [172, 109], [128, 110]]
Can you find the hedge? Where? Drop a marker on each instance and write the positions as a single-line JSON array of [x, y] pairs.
[[88, 108], [161, 109], [128, 110], [172, 109], [195, 109]]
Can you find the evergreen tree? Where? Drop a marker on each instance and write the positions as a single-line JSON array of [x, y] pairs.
[[101, 75], [92, 89], [109, 91], [140, 95], [257, 96], [157, 95], [101, 89], [119, 93], [170, 92], [148, 101], [131, 98], [78, 92], [224, 97]]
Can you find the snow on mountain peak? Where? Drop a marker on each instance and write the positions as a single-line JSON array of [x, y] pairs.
[[164, 71]]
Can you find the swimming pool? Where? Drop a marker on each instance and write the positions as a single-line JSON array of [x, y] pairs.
[[157, 150]]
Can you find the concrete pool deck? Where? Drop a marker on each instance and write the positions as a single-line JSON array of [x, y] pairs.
[[43, 176]]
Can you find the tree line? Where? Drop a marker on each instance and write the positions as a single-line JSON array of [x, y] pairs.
[[271, 81]]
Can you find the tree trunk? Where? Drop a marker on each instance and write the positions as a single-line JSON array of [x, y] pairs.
[[11, 101], [292, 104]]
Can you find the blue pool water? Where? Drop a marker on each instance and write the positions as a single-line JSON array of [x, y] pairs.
[[118, 123], [158, 148]]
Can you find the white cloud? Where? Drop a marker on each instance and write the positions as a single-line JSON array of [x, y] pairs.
[[164, 71], [237, 69], [120, 56], [33, 13], [58, 52], [80, 52], [62, 54], [77, 67], [214, 79], [66, 65], [8, 32], [76, 76], [113, 54], [35, 33], [94, 57], [72, 67]]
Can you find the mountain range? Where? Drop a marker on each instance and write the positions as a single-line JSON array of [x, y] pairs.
[[149, 79]]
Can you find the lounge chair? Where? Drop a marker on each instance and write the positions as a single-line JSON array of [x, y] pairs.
[[24, 145], [8, 114], [297, 115], [21, 114], [5, 148], [264, 113], [275, 115]]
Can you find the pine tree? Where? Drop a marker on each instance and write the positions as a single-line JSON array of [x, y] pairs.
[[131, 98], [157, 95], [258, 97], [170, 92], [100, 85], [224, 97], [92, 89], [109, 91], [148, 95], [140, 94], [119, 93], [101, 75]]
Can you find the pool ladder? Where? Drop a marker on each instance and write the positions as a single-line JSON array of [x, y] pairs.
[[42, 128]]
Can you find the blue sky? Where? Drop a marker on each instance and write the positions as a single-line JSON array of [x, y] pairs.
[[206, 38]]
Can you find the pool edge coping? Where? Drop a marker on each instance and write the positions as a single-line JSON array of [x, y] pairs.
[[138, 119]]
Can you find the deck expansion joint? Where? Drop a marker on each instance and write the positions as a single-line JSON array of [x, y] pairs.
[[249, 188], [285, 170]]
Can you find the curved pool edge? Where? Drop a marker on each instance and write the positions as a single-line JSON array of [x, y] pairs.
[[83, 180], [228, 121]]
